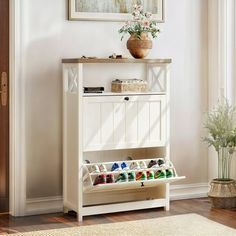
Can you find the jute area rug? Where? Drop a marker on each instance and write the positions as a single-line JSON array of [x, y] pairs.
[[180, 225]]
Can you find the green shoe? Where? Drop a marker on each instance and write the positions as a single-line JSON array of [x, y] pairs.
[[150, 174], [160, 174], [144, 175], [131, 176], [123, 177], [169, 173], [141, 175]]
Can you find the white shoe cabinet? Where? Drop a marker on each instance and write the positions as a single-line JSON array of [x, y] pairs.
[[107, 128]]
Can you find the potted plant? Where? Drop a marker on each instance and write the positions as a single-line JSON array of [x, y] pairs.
[[140, 29], [221, 125]]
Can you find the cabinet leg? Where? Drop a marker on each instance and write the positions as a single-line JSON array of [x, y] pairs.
[[167, 207], [79, 217]]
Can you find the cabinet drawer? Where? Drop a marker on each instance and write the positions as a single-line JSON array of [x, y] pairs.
[[118, 122]]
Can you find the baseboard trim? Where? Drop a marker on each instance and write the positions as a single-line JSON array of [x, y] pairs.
[[188, 191], [44, 205], [37, 206]]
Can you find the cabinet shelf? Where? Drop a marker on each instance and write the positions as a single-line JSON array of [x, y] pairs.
[[121, 94], [107, 60]]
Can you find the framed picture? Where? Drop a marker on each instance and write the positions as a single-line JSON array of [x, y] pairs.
[[113, 10]]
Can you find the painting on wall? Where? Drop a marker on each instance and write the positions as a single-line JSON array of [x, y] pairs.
[[113, 10]]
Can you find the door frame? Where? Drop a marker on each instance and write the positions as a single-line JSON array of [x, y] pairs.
[[17, 180]]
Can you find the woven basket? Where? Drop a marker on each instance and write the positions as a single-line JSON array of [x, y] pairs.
[[119, 87], [223, 194]]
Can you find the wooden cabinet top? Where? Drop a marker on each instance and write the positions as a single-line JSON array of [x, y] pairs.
[[108, 60]]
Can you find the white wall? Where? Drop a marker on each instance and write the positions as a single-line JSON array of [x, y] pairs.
[[48, 37], [222, 59]]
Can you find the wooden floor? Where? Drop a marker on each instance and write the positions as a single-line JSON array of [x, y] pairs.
[[202, 207]]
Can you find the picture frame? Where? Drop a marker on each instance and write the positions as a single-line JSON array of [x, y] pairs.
[[85, 14]]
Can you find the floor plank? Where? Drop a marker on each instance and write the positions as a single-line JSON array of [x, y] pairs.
[[9, 224]]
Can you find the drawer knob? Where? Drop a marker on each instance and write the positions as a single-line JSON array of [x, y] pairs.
[[126, 98]]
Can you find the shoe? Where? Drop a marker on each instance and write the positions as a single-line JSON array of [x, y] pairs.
[[94, 169], [160, 174], [169, 173], [160, 162], [110, 179], [87, 162], [142, 165], [141, 175], [102, 168], [155, 166], [144, 175], [131, 176], [168, 164], [134, 166], [152, 163], [124, 166], [123, 177], [101, 179], [150, 175], [115, 167]]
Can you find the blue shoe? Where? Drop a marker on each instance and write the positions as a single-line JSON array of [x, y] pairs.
[[124, 166], [115, 167]]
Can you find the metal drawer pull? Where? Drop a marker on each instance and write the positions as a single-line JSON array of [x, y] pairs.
[[126, 98]]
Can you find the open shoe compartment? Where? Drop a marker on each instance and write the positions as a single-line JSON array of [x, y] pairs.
[[91, 174]]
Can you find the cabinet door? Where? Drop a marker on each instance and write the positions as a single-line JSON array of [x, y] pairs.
[[118, 122]]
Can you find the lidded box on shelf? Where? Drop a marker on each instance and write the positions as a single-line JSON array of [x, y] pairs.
[[128, 85]]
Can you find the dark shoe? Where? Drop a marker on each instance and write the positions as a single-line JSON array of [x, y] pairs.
[[160, 162], [101, 179], [169, 173], [152, 163], [131, 176], [123, 177], [110, 179]]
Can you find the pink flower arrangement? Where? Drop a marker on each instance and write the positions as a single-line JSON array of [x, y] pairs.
[[142, 23]]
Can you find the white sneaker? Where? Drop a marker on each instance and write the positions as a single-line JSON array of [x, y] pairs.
[[94, 169], [168, 164], [102, 168], [142, 165], [155, 166], [134, 166]]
